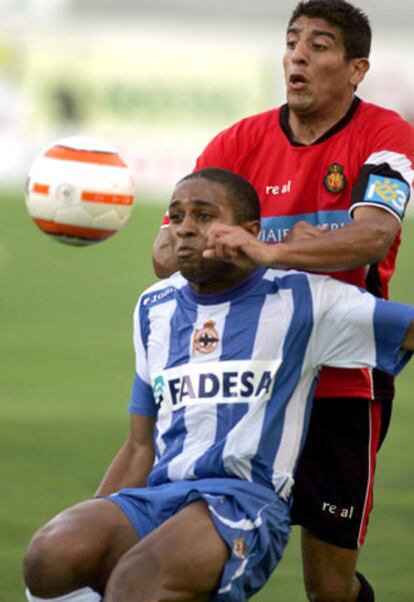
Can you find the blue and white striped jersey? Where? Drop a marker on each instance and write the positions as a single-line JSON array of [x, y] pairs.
[[230, 377]]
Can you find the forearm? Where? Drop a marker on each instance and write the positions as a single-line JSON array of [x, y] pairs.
[[130, 468], [363, 242], [353, 246]]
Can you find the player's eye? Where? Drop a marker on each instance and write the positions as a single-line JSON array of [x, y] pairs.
[[319, 47], [291, 44], [204, 216], [175, 218]]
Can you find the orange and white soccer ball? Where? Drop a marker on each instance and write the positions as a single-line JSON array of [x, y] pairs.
[[80, 191]]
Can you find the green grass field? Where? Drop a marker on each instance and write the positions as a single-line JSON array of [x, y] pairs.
[[66, 367]]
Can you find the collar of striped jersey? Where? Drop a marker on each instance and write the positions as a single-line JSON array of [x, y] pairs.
[[228, 295]]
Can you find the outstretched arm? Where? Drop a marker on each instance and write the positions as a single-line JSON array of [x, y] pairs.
[[134, 461], [363, 242]]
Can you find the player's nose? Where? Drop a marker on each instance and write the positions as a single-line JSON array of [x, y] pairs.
[[299, 54], [187, 226]]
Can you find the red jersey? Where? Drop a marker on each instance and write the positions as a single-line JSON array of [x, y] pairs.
[[367, 158]]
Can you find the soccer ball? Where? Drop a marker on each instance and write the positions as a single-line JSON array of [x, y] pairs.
[[80, 191]]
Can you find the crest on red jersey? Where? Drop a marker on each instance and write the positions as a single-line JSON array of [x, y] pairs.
[[206, 339], [335, 179]]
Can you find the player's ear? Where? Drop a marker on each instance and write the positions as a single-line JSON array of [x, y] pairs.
[[253, 227], [359, 68]]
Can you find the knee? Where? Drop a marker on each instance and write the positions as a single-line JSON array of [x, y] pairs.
[[326, 596], [48, 562], [39, 561], [327, 593]]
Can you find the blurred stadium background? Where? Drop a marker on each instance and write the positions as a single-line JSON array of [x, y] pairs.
[[157, 78]]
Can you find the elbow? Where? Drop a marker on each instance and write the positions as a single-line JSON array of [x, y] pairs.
[[157, 266], [161, 270], [162, 260], [375, 232], [381, 241]]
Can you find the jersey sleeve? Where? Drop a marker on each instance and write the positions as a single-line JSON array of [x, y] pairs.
[[354, 329], [386, 177], [142, 400]]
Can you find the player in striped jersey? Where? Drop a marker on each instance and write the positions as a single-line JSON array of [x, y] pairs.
[[336, 173], [195, 506]]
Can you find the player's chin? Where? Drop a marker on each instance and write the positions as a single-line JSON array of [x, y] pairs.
[[200, 270], [300, 102]]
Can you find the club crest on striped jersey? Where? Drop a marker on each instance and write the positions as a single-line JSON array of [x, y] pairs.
[[206, 339], [335, 179]]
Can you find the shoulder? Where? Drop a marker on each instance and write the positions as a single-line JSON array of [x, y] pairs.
[[377, 122], [291, 279], [160, 292], [368, 110], [232, 146], [319, 288]]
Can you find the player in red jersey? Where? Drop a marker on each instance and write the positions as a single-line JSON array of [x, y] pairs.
[[334, 175]]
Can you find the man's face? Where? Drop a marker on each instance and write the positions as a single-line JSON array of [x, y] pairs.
[[317, 75], [195, 205]]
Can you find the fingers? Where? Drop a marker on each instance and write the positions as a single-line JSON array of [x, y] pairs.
[[228, 243], [217, 233], [222, 249], [222, 243]]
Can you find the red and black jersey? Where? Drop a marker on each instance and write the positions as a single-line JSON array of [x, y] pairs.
[[366, 158]]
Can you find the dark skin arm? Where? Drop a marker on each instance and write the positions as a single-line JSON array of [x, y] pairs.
[[133, 463], [361, 243], [365, 241], [162, 260]]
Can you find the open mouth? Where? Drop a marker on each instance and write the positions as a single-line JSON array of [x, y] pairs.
[[297, 81]]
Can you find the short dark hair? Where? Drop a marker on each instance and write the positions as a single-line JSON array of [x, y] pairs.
[[242, 195], [353, 23]]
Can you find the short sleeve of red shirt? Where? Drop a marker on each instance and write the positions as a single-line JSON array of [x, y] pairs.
[[386, 176]]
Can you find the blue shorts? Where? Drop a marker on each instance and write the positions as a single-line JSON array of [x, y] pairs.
[[250, 518]]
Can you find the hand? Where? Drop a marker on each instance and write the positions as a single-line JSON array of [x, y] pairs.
[[305, 231], [235, 245]]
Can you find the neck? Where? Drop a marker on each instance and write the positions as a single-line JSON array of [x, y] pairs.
[[308, 127], [229, 277]]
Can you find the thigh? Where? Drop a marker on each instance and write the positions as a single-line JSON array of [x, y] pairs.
[[332, 496], [98, 523], [87, 539], [182, 559]]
